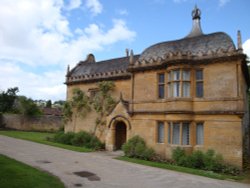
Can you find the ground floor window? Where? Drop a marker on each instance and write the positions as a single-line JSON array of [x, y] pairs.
[[178, 133], [199, 134], [160, 132]]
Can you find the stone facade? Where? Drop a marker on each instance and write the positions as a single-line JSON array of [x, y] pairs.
[[189, 93]]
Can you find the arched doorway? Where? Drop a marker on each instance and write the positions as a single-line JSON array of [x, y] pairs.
[[120, 134]]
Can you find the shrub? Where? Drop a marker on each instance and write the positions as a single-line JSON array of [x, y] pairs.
[[136, 147], [64, 138], [95, 144], [82, 139], [205, 161], [178, 155]]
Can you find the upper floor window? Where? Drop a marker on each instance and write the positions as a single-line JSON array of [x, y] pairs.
[[161, 86], [160, 132], [93, 92], [179, 83], [199, 83]]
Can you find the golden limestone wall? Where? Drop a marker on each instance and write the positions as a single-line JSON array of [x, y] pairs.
[[223, 96], [222, 133], [88, 123]]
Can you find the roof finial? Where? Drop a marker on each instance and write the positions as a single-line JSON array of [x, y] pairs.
[[196, 29], [196, 13], [239, 41], [68, 69], [127, 52]]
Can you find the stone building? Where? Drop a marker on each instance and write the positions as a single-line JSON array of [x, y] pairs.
[[189, 93]]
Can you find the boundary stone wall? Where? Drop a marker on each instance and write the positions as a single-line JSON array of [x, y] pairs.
[[41, 123]]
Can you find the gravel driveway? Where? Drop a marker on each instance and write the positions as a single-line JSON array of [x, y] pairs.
[[98, 169]]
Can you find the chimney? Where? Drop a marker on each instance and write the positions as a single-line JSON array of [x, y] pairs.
[[90, 58]]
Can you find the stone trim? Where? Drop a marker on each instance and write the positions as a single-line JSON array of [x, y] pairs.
[[119, 118], [241, 113], [154, 64], [96, 78]]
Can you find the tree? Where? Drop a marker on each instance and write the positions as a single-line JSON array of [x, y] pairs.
[[81, 104], [103, 102], [7, 99], [27, 106], [59, 103], [48, 104], [78, 106]]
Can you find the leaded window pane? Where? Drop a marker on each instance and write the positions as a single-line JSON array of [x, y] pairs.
[[161, 78], [199, 134], [161, 91], [199, 75], [169, 90], [169, 133], [176, 74], [185, 133], [186, 75], [176, 89], [176, 133], [160, 132], [199, 89], [186, 89]]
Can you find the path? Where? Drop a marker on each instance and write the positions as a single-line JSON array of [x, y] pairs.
[[108, 172]]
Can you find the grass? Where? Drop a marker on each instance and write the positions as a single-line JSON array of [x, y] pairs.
[[204, 173], [15, 174], [40, 137]]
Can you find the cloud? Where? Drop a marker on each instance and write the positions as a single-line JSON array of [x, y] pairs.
[[223, 2], [180, 1], [46, 85], [36, 35], [95, 6], [246, 47], [122, 12], [73, 4]]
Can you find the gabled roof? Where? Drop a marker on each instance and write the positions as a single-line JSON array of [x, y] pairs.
[[111, 65]]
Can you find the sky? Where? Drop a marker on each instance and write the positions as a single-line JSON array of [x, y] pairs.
[[40, 38]]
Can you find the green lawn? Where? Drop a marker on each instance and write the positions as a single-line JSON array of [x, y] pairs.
[[181, 169], [40, 137], [14, 174]]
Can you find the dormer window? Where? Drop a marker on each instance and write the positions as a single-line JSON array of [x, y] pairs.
[[179, 83]]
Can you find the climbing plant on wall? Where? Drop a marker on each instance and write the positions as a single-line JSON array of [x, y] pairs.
[[80, 104], [103, 103]]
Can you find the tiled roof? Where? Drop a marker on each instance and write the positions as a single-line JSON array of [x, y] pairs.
[[111, 65], [52, 111], [204, 44]]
